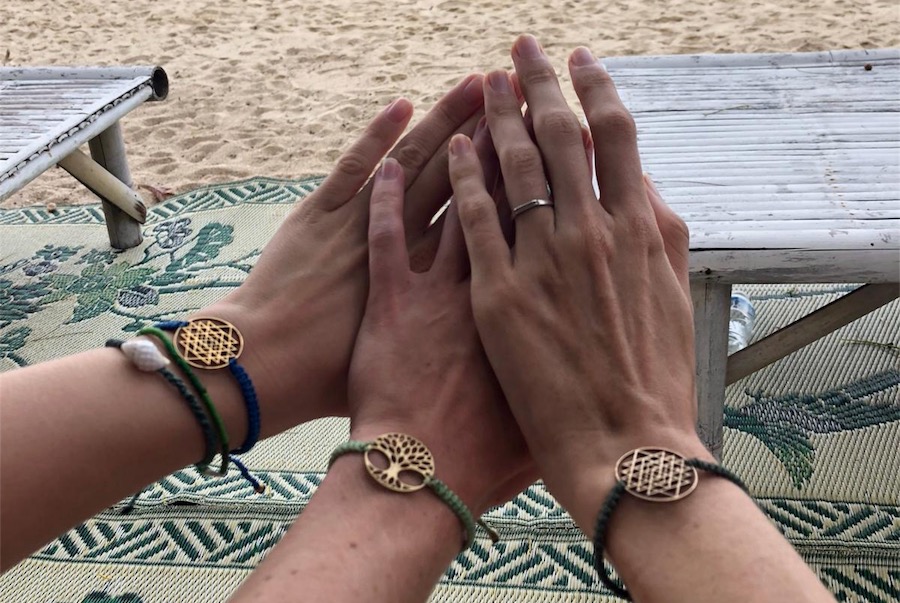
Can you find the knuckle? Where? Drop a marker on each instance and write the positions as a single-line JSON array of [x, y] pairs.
[[522, 160], [411, 154], [617, 123], [562, 124], [540, 75], [592, 78], [353, 164], [381, 234], [476, 210], [642, 228]]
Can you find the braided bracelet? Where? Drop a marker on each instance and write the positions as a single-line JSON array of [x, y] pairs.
[[652, 474], [213, 343], [204, 395], [407, 454], [147, 357]]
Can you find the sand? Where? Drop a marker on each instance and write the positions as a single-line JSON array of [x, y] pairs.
[[278, 88]]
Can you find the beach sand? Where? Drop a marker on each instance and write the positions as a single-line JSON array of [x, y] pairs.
[[279, 88]]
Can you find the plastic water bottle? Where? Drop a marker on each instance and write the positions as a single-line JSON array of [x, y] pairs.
[[740, 325]]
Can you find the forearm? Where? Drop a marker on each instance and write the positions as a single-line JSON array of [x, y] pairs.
[[679, 551], [80, 433], [358, 541]]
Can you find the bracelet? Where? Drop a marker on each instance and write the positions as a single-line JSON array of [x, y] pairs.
[[147, 357], [213, 343], [204, 396], [406, 454], [652, 474]]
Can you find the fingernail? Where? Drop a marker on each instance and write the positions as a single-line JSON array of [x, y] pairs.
[[460, 145], [390, 169], [499, 81], [602, 66], [582, 57], [527, 47], [398, 110], [474, 91], [482, 124], [650, 183]]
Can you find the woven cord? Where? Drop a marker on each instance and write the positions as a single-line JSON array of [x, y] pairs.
[[600, 537], [449, 497], [251, 402], [204, 395], [196, 409], [437, 486], [248, 392], [609, 505]]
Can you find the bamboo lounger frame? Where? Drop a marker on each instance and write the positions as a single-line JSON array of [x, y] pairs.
[[46, 113]]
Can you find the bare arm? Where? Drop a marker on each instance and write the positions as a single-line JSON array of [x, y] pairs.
[[80, 433]]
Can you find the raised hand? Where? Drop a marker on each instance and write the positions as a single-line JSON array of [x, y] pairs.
[[587, 320], [302, 304]]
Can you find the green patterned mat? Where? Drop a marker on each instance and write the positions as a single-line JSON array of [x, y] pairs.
[[816, 436]]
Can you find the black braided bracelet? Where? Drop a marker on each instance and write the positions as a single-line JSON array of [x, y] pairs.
[[653, 474], [209, 435]]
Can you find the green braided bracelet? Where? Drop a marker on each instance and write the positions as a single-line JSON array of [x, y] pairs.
[[204, 395], [407, 454]]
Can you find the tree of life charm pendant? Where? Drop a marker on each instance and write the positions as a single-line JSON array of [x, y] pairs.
[[405, 455]]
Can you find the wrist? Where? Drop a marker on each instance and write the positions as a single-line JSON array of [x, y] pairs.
[[583, 474], [418, 517]]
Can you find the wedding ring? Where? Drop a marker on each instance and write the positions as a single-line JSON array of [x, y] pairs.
[[521, 209]]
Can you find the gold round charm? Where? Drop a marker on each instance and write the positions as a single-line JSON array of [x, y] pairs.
[[209, 343], [656, 474], [404, 454]]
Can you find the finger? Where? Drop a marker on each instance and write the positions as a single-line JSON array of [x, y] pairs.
[[614, 132], [488, 253], [556, 129], [388, 259], [431, 135], [431, 189], [520, 159], [356, 164], [493, 180], [675, 234]]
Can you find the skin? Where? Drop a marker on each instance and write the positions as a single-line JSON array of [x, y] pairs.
[[587, 322], [555, 348], [299, 312], [418, 331]]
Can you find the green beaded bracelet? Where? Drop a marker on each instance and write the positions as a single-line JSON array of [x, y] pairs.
[[407, 454]]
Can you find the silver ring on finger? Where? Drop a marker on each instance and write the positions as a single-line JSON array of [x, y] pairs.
[[521, 209]]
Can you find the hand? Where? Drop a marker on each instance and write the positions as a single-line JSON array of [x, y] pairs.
[[418, 366], [587, 321], [301, 306]]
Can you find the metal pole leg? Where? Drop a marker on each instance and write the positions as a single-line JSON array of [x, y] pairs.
[[712, 306], [108, 149]]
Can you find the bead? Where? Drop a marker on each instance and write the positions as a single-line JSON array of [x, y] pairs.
[[144, 354]]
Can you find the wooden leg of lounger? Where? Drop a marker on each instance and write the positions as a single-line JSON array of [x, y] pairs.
[[108, 149], [825, 320], [712, 305]]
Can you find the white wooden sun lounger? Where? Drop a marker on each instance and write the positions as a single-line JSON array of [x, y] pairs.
[[786, 167], [47, 113]]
